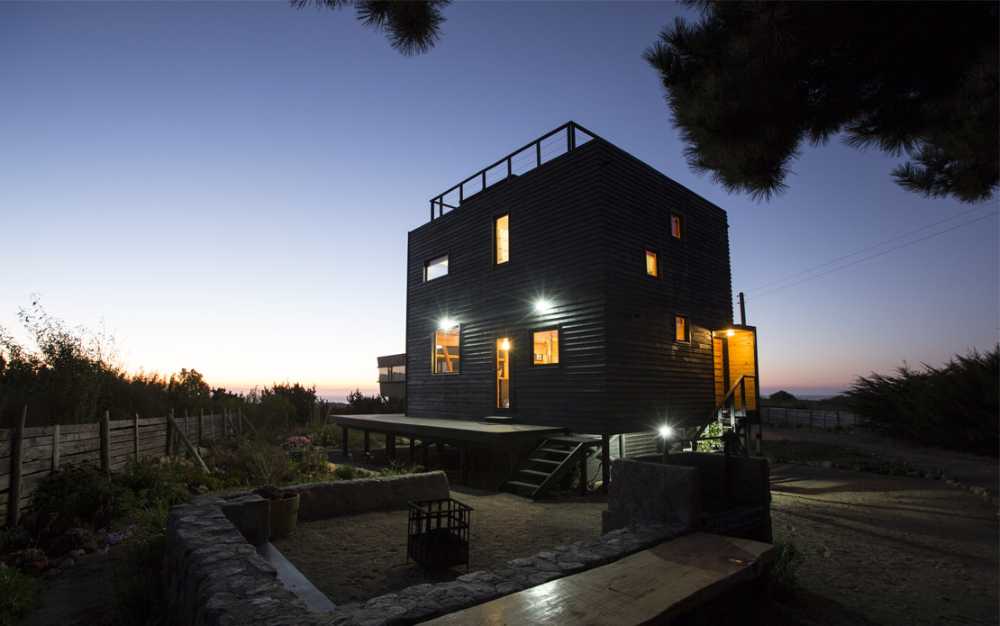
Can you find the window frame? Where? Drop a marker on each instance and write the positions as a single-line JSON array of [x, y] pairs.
[[681, 226], [647, 250], [434, 342], [446, 255], [531, 342], [687, 328], [496, 241]]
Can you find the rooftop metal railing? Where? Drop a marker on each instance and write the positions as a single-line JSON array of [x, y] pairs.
[[552, 144]]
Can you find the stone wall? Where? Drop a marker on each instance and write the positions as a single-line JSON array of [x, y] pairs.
[[652, 493], [214, 575], [348, 497]]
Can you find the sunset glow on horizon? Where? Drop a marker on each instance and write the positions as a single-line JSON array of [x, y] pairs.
[[229, 187]]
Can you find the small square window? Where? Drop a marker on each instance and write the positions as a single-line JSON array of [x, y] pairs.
[[652, 264], [436, 268], [676, 226], [681, 330], [545, 347]]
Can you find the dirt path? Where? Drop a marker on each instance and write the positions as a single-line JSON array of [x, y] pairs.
[[357, 557], [895, 550], [80, 596]]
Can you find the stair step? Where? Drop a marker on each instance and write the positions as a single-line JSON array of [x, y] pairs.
[[556, 450], [518, 483], [536, 473], [546, 461]]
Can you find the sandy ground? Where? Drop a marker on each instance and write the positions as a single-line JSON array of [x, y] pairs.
[[892, 550], [357, 557]]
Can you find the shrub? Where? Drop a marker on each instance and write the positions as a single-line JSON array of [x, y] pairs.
[[346, 472], [79, 495], [781, 581], [136, 579], [252, 462], [18, 594], [954, 406], [313, 463], [399, 469]]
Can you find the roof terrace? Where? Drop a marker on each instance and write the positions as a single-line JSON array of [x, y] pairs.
[[552, 144]]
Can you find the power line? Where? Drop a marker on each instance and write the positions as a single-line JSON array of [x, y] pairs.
[[873, 256], [862, 250]]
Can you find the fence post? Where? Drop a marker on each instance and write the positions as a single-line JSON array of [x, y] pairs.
[[135, 436], [16, 456], [55, 447], [201, 424], [170, 433], [105, 443]]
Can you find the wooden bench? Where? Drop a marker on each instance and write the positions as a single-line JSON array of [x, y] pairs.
[[655, 584]]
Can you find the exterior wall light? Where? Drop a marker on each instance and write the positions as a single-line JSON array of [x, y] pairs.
[[505, 345], [446, 323], [543, 306], [730, 332], [665, 432]]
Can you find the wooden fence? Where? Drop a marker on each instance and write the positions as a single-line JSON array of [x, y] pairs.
[[29, 454], [827, 419]]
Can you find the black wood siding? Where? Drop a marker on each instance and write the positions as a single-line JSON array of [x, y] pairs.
[[578, 228]]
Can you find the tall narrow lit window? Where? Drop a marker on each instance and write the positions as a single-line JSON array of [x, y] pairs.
[[503, 372], [436, 268], [675, 225], [681, 330], [545, 349], [652, 264], [501, 239], [447, 350]]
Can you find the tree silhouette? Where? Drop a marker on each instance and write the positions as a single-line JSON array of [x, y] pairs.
[[412, 27], [752, 80]]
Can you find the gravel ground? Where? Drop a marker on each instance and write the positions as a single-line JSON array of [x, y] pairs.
[[357, 557], [889, 550]]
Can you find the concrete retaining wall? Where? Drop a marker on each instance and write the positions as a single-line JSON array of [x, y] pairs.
[[652, 493]]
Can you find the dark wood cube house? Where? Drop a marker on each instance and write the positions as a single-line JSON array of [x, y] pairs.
[[570, 285]]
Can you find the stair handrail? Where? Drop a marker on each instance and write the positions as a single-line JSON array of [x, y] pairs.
[[741, 384]]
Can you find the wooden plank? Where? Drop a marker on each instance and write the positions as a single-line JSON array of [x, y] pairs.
[[105, 443], [190, 447], [55, 447], [13, 508], [655, 584]]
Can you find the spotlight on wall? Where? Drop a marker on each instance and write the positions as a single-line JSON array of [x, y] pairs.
[[665, 431], [543, 306], [446, 323], [730, 332], [505, 345]]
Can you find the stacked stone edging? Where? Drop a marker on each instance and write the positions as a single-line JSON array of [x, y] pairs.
[[422, 602], [215, 577], [348, 497]]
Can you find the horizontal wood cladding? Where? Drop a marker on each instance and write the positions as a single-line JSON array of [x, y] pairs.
[[654, 378], [555, 252], [579, 225]]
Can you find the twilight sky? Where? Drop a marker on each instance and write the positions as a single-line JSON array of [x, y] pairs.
[[229, 186]]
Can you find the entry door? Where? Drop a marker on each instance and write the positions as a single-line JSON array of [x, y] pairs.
[[504, 347]]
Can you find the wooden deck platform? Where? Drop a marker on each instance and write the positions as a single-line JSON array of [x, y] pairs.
[[464, 431], [651, 586]]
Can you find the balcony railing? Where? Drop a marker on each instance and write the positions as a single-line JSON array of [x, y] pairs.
[[552, 144]]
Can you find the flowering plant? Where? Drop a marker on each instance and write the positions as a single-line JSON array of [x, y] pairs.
[[298, 441]]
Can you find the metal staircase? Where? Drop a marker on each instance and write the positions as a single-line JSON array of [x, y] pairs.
[[549, 462]]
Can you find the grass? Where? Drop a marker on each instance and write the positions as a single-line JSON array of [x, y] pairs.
[[843, 457]]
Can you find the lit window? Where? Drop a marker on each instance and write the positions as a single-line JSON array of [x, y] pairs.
[[652, 264], [447, 344], [681, 330], [546, 347], [501, 239], [436, 268], [675, 225]]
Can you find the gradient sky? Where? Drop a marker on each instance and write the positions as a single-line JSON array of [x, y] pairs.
[[229, 187]]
